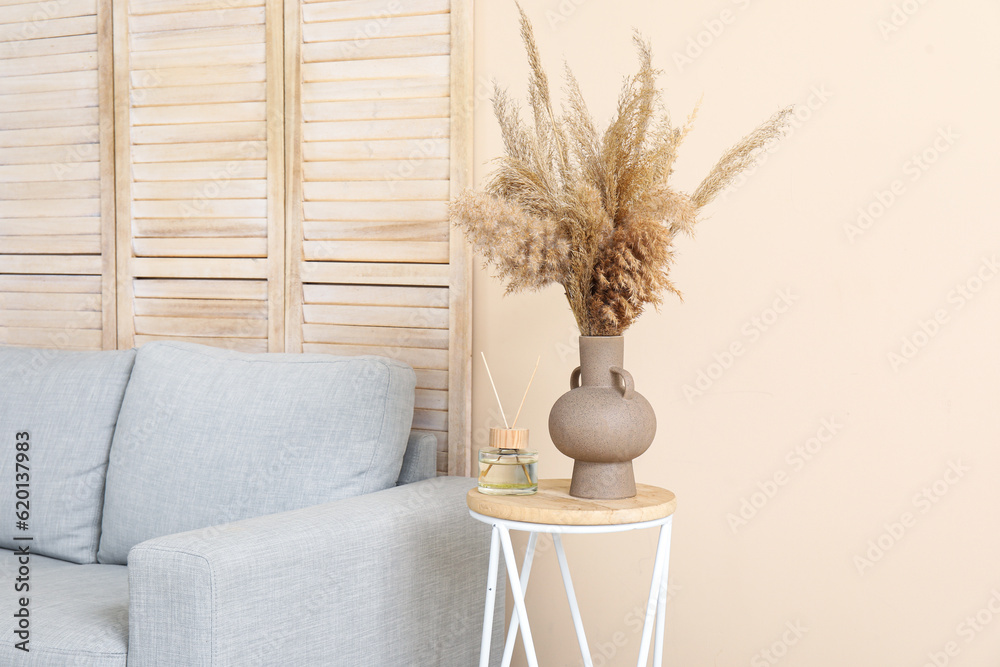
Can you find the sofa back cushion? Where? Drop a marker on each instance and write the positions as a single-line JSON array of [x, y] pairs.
[[61, 407], [208, 436]]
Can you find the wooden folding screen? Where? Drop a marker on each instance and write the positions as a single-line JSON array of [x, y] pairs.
[[57, 277], [253, 174], [199, 131], [377, 104]]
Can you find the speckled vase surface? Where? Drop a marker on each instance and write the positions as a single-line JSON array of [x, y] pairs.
[[602, 422]]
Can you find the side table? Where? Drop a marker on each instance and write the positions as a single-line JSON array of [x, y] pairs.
[[552, 510]]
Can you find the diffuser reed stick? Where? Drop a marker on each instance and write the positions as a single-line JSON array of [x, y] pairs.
[[490, 375], [532, 379]]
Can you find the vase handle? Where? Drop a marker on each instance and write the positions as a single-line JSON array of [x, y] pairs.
[[574, 379], [626, 379]]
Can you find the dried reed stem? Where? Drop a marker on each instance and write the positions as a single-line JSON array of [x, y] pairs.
[[593, 212]]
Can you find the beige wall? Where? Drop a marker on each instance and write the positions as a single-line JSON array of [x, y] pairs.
[[879, 100]]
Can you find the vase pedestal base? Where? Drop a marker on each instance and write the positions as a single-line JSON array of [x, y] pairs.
[[605, 481]]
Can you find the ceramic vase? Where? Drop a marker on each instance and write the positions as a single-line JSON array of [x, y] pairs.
[[602, 422]]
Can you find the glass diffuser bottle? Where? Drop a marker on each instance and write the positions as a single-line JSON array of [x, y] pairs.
[[507, 467]]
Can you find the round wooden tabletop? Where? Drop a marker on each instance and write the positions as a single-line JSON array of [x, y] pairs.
[[553, 505]]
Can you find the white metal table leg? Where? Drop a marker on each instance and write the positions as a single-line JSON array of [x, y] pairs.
[[574, 608], [661, 600], [662, 547], [491, 596], [529, 556], [516, 589]]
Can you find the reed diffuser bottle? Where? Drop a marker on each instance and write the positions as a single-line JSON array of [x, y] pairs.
[[507, 467]]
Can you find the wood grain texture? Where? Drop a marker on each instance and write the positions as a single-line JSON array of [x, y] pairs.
[[393, 230], [44, 83], [255, 345], [199, 227], [50, 284], [376, 251], [56, 245], [62, 338], [370, 170], [228, 308], [198, 267], [342, 10], [222, 17], [49, 28], [384, 316], [146, 7], [395, 88], [200, 247], [201, 169], [123, 181], [50, 227], [399, 26], [553, 505], [56, 175], [50, 319], [275, 115], [168, 288], [460, 260], [376, 273], [333, 51], [375, 295], [415, 357], [421, 107], [67, 302], [294, 283], [207, 327]]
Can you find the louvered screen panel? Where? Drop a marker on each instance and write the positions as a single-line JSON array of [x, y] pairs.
[[376, 146], [200, 172], [56, 175]]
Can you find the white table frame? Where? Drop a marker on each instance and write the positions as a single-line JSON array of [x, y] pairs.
[[655, 607]]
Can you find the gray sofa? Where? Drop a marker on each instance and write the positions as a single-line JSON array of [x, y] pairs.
[[184, 505]]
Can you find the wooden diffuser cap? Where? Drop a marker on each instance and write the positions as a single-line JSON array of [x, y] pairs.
[[509, 438]]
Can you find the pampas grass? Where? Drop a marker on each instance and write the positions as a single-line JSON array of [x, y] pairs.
[[591, 212]]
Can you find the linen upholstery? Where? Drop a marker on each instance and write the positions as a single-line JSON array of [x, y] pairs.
[[391, 578], [208, 436], [68, 402], [420, 460], [79, 614]]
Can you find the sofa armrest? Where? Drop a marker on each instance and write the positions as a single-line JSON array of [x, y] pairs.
[[389, 578]]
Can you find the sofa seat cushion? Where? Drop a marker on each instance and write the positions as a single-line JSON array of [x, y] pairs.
[[67, 404], [78, 613], [208, 436]]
